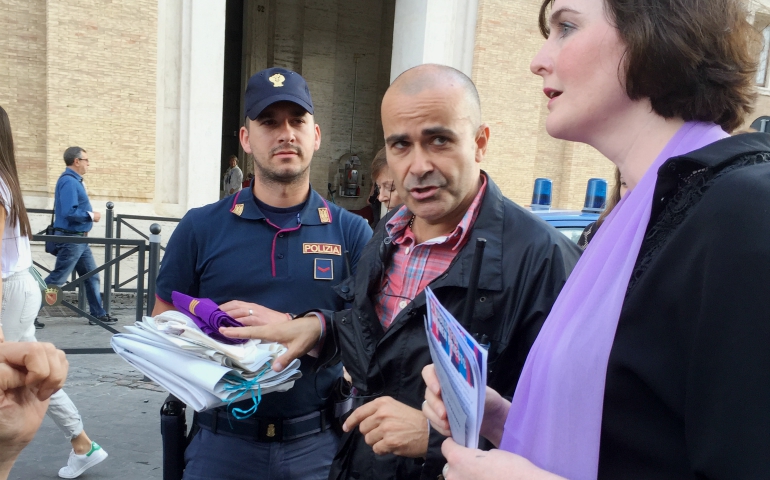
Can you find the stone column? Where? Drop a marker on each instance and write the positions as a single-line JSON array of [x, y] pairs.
[[434, 31], [191, 38]]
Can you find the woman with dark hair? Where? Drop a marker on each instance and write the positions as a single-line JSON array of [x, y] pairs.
[[21, 299], [655, 359]]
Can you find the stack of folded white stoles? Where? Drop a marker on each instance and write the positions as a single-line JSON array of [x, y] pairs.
[[173, 351]]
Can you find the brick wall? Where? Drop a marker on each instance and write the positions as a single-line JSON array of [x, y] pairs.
[[100, 91], [82, 73], [23, 87]]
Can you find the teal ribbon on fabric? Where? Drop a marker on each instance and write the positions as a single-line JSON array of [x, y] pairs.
[[241, 387]]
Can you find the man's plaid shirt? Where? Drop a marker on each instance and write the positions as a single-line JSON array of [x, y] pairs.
[[413, 267]]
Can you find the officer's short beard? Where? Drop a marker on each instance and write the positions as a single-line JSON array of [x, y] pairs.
[[269, 176]]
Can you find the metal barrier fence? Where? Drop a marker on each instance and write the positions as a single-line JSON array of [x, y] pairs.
[[121, 223], [148, 244], [139, 246]]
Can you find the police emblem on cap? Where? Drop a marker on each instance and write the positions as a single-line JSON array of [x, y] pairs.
[[324, 269], [237, 209], [323, 215], [277, 80]]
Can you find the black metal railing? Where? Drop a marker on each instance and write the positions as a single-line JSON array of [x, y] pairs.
[[148, 245], [121, 224], [139, 246]]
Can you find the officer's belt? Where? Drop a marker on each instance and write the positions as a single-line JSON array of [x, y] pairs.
[[264, 429]]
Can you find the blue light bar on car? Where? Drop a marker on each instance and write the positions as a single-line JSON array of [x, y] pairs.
[[596, 195], [541, 196]]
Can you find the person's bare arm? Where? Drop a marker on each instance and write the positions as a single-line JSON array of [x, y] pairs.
[[162, 306]]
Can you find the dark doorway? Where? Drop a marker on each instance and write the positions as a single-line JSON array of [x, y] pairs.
[[231, 106]]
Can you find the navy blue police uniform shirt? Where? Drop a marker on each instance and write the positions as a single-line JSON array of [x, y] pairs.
[[229, 250]]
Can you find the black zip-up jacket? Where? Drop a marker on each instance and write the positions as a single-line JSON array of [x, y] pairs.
[[526, 263]]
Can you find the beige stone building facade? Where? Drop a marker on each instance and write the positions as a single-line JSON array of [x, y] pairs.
[[81, 73], [152, 89]]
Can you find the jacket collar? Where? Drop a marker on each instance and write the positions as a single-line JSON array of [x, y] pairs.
[[488, 225], [311, 214], [72, 173], [726, 150], [713, 156]]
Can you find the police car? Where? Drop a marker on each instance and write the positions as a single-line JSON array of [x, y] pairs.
[[569, 222]]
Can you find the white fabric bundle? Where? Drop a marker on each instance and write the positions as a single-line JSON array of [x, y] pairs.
[[172, 351]]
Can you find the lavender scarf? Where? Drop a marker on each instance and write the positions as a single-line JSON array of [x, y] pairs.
[[556, 414]]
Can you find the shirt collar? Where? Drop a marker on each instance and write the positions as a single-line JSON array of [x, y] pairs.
[[398, 231], [310, 215], [73, 173]]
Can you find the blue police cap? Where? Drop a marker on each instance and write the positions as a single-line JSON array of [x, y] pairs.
[[275, 85]]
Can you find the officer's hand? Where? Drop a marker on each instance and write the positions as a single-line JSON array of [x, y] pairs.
[[469, 464], [97, 216], [299, 336], [389, 426], [30, 373], [434, 408], [253, 314]]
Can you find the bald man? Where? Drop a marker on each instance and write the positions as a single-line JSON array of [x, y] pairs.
[[435, 141]]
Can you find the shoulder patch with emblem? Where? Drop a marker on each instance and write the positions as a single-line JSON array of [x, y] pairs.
[[324, 216]]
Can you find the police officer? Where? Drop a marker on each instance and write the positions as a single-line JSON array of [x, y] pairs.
[[266, 254]]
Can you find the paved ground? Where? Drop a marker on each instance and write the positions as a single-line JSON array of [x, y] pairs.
[[119, 410]]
